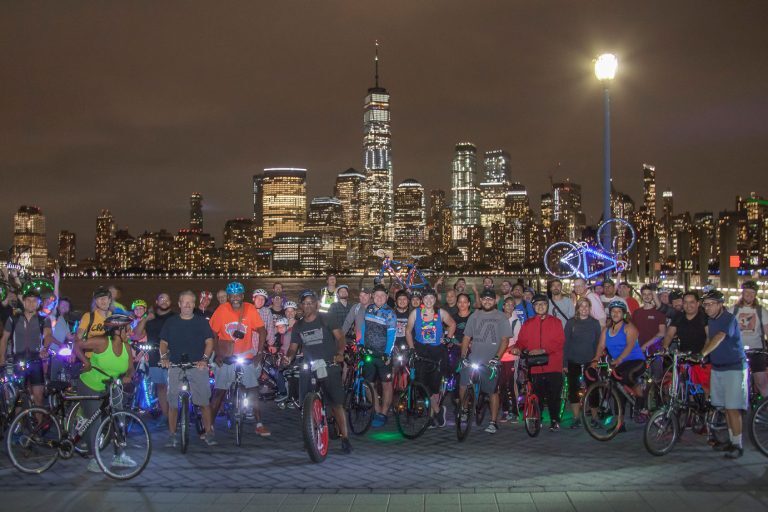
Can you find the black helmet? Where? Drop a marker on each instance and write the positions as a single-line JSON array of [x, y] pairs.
[[539, 297], [749, 285], [675, 294], [117, 321], [715, 295]]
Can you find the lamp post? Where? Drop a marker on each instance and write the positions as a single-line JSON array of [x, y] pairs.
[[605, 71]]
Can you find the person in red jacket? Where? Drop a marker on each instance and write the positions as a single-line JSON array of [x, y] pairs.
[[544, 333]]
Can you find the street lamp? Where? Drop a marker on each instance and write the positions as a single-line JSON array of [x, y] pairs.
[[605, 71]]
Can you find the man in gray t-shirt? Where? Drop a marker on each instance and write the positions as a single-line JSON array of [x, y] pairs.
[[560, 306], [489, 331]]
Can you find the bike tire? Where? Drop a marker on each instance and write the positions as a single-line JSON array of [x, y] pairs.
[[610, 413], [126, 433], [238, 416], [466, 406], [184, 423], [199, 427], [480, 408], [758, 426], [532, 415], [28, 440], [413, 411], [661, 432], [359, 407], [314, 428]]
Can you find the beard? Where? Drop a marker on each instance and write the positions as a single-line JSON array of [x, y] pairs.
[[163, 309], [487, 308]]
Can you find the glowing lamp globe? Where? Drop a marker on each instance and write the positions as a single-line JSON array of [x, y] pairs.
[[605, 66]]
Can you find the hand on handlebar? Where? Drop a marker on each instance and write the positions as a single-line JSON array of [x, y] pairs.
[[165, 363], [202, 364]]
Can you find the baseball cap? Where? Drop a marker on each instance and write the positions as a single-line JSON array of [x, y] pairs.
[[488, 293]]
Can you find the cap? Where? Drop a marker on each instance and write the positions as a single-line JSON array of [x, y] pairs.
[[715, 295], [366, 289], [749, 285], [488, 293], [379, 288], [539, 297], [342, 286], [102, 292], [307, 293]]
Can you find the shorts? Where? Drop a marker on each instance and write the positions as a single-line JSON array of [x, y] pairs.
[[488, 385], [158, 376], [430, 372], [700, 374], [758, 362], [729, 389], [333, 389], [225, 375], [32, 372], [377, 369], [199, 386], [628, 371]]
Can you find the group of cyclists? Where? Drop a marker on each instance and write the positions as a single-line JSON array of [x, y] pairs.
[[454, 332]]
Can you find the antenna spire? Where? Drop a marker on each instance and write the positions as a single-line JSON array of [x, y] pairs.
[[376, 64]]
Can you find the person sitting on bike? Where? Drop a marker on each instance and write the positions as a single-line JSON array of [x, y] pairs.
[[378, 326], [187, 338], [315, 339], [543, 334], [689, 328], [489, 331], [424, 334], [620, 339], [268, 317], [239, 331], [111, 355]]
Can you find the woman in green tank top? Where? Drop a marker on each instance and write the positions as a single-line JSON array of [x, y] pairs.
[[111, 355]]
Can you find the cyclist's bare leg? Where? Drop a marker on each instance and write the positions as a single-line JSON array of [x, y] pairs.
[[38, 395], [733, 417], [206, 416], [386, 396], [341, 420], [253, 401], [216, 400], [494, 407], [173, 415], [434, 400], [761, 382], [576, 410], [162, 397]]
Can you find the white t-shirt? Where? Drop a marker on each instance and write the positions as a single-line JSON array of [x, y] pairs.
[[748, 325]]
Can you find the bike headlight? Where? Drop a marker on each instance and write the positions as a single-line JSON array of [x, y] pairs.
[[475, 366], [402, 347], [240, 360], [399, 358], [184, 387], [66, 351], [306, 367], [245, 402]]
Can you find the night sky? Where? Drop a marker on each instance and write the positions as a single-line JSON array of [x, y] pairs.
[[132, 106]]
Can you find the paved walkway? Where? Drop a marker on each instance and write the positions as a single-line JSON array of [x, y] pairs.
[[565, 470]]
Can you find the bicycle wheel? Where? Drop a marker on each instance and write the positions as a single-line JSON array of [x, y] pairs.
[[464, 413], [758, 426], [184, 423], [480, 407], [73, 416], [562, 260], [33, 440], [661, 431], [198, 413], [239, 416], [532, 415], [315, 428], [412, 414], [609, 415], [127, 448], [621, 236], [359, 406]]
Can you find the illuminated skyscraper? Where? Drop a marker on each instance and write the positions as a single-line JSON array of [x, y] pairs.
[[667, 203], [439, 222], [410, 218], [496, 165], [377, 162], [239, 245], [649, 189], [29, 246], [157, 250], [493, 191], [326, 219], [567, 216], [518, 223], [105, 232], [67, 250], [466, 193], [351, 190], [196, 212], [280, 202], [125, 251]]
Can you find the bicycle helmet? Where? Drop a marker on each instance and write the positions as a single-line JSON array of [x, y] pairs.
[[102, 292], [235, 288], [675, 294], [138, 303], [307, 293], [428, 291], [617, 304], [539, 297], [715, 295], [416, 293], [290, 305], [205, 294], [260, 292], [749, 285], [281, 321], [43, 288], [117, 320]]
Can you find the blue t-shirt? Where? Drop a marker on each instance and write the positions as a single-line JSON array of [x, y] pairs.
[[524, 311], [377, 333], [729, 354]]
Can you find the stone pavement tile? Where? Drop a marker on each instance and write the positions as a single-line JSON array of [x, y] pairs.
[[368, 508], [200, 498], [577, 496], [224, 507], [480, 507], [235, 497], [622, 496], [517, 507], [549, 497], [435, 499], [254, 506], [442, 507], [406, 501], [513, 497], [371, 499], [167, 497], [469, 499], [336, 499]]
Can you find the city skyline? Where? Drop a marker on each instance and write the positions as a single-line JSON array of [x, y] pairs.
[[169, 131]]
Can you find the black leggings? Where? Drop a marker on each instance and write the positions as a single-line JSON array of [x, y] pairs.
[[507, 387], [549, 387], [574, 382]]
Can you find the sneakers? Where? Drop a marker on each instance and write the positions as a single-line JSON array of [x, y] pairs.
[[595, 424], [250, 416], [281, 397], [262, 430], [379, 420], [210, 439], [576, 424], [735, 452], [172, 441], [123, 461], [723, 447], [346, 446], [492, 427], [439, 418], [554, 426], [93, 466]]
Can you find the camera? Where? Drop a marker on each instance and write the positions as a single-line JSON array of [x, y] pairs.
[[238, 334]]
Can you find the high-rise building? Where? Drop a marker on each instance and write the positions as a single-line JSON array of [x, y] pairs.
[[125, 251], [567, 217], [157, 251], [755, 210], [410, 218], [105, 232], [497, 167], [667, 203], [196, 212], [547, 210], [518, 223], [704, 244], [649, 189], [351, 191], [493, 191], [239, 245], [67, 253], [299, 252], [326, 218], [377, 162], [281, 203], [29, 246], [193, 251], [466, 193], [435, 228], [258, 208]]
